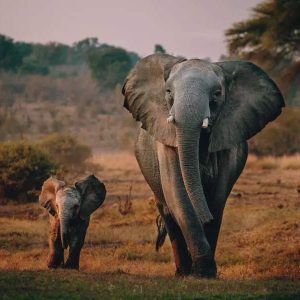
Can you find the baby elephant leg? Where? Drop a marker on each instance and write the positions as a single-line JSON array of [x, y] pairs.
[[56, 254], [78, 233]]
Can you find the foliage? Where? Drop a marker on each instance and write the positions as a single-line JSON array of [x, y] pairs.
[[109, 65], [23, 169], [32, 66], [271, 38], [274, 28], [159, 49], [12, 54], [65, 150], [281, 137], [51, 54], [81, 48]]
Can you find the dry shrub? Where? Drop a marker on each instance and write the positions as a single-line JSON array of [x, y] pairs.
[[125, 207], [291, 162], [268, 163]]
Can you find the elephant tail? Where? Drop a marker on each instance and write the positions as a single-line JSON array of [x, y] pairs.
[[161, 232]]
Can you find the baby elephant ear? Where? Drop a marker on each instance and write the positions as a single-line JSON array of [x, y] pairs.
[[144, 93], [92, 192], [252, 101], [48, 194]]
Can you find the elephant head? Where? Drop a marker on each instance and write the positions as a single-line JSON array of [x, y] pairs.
[[71, 203], [177, 99]]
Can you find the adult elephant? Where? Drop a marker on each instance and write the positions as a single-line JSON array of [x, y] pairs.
[[196, 118]]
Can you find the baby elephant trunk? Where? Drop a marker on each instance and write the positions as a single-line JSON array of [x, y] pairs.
[[64, 232]]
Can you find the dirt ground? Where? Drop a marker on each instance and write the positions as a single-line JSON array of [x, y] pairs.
[[259, 240]]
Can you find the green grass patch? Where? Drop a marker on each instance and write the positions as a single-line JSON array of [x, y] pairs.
[[64, 284]]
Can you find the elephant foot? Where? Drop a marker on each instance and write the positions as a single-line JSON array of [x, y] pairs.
[[71, 265], [182, 272], [55, 261], [204, 267], [184, 269]]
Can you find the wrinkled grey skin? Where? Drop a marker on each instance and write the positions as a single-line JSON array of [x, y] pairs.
[[69, 212], [193, 243], [191, 169]]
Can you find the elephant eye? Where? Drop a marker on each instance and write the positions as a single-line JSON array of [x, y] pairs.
[[169, 97], [217, 94], [169, 92]]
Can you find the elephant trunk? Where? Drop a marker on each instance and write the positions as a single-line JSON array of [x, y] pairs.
[[188, 151], [192, 111], [64, 230]]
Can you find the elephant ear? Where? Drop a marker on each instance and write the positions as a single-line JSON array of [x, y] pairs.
[[48, 194], [92, 192], [144, 91], [252, 101]]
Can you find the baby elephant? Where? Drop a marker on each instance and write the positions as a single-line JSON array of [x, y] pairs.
[[69, 211]]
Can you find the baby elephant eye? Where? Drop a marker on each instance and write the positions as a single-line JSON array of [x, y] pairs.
[[169, 97]]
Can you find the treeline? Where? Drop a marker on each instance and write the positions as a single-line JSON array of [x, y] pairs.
[[108, 64]]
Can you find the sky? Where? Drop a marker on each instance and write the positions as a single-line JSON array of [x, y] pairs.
[[191, 28]]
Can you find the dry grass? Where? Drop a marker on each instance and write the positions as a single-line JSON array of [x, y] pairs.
[[270, 162], [260, 236]]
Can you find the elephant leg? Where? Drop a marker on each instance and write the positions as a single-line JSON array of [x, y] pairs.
[[77, 234], [212, 230], [182, 256], [230, 165], [147, 159], [73, 258], [181, 209], [56, 253]]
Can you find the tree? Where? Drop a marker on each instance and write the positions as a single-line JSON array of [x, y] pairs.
[[50, 54], [11, 54], [271, 38], [32, 66], [159, 49], [274, 28], [109, 65], [81, 48]]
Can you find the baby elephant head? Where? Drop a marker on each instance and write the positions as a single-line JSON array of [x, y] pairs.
[[71, 204]]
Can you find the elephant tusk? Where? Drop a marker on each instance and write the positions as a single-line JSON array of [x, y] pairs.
[[170, 119], [205, 123]]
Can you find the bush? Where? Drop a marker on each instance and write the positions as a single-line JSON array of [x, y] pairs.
[[23, 169], [66, 151], [281, 137], [34, 67], [109, 65]]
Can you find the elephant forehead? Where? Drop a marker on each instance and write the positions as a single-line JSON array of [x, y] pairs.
[[69, 195], [197, 64]]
